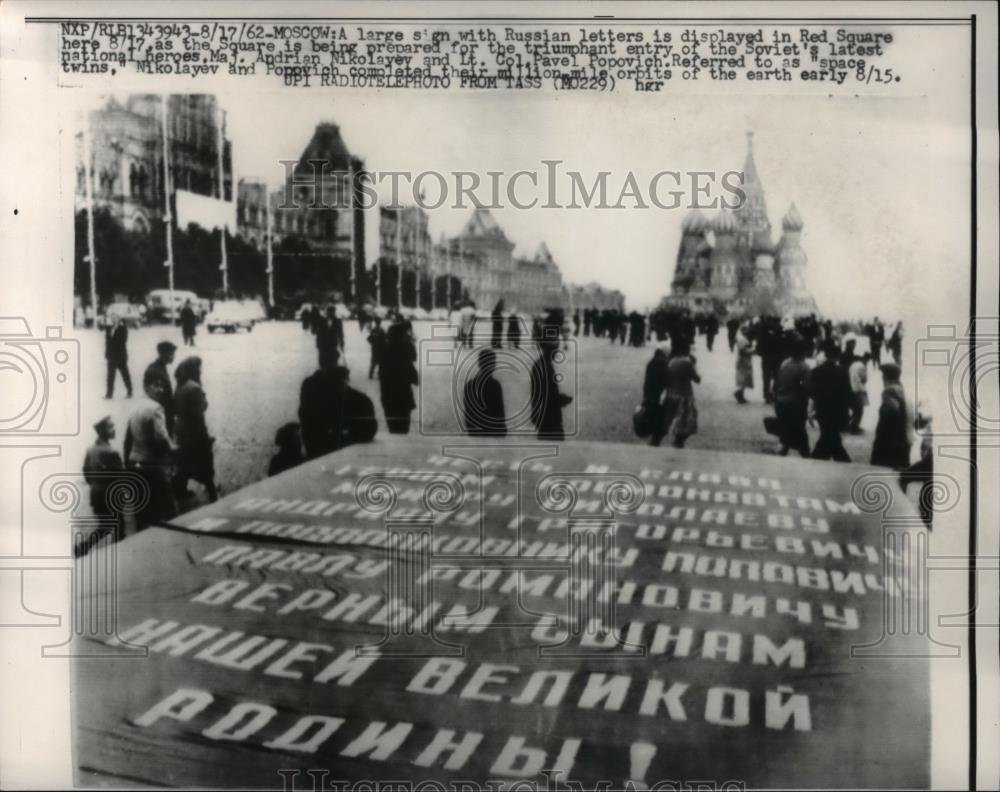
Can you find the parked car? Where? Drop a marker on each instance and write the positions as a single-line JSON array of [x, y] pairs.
[[255, 310], [134, 315], [230, 316], [164, 304]]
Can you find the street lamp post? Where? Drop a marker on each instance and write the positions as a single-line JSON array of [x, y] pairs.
[[167, 219], [224, 265], [270, 254], [89, 192]]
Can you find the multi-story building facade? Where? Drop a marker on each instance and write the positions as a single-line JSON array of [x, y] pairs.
[[315, 204], [594, 295], [126, 151]]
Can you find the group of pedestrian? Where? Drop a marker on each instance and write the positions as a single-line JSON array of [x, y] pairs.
[[167, 441], [837, 391], [668, 400]]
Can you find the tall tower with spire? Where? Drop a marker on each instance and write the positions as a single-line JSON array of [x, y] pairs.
[[751, 215], [729, 262]]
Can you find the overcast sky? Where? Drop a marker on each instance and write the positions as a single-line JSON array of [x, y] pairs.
[[880, 183]]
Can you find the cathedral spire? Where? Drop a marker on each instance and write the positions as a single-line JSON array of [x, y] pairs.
[[749, 166], [753, 212]]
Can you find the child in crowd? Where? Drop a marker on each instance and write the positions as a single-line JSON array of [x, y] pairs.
[[289, 442]]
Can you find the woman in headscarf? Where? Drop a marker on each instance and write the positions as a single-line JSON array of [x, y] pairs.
[[195, 457], [681, 411]]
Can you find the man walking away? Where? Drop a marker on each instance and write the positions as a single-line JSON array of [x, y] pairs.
[[482, 400], [791, 401], [157, 374], [116, 355], [830, 390], [711, 330]]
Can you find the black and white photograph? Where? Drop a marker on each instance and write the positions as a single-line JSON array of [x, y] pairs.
[[503, 396]]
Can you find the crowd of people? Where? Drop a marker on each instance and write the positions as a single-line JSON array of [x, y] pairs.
[[811, 373], [167, 443]]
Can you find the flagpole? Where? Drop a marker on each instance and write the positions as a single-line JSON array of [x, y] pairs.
[[378, 271], [270, 255], [399, 260], [435, 253], [89, 192], [224, 266], [167, 219], [350, 223]]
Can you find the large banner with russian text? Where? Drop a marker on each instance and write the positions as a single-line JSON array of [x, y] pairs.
[[555, 613]]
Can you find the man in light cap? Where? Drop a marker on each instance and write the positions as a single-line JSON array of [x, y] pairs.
[[100, 464], [149, 451]]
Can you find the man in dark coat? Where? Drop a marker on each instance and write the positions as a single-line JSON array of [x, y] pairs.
[[711, 330], [330, 332], [830, 389], [116, 354], [791, 400], [482, 400], [546, 401], [769, 347], [891, 447], [157, 374], [653, 387], [331, 413], [397, 376], [188, 323]]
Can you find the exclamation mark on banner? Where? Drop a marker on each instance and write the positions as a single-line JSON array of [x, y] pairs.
[[641, 755]]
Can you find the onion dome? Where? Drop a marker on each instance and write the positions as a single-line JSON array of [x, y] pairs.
[[725, 222], [792, 221], [694, 222]]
